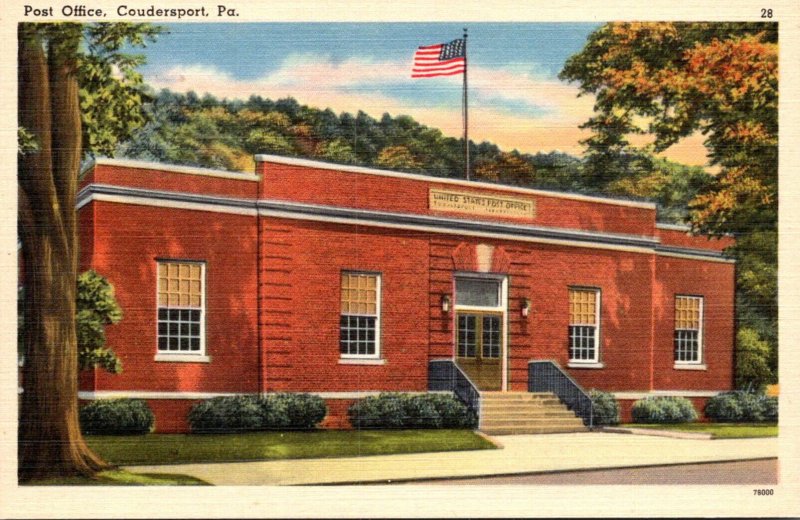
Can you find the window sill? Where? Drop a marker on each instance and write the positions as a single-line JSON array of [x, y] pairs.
[[585, 365], [680, 366], [181, 358], [356, 361]]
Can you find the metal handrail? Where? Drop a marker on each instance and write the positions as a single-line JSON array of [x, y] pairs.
[[548, 376], [445, 374]]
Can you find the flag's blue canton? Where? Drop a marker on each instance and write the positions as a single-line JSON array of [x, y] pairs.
[[454, 49]]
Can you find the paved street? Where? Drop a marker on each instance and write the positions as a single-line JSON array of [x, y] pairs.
[[755, 472], [519, 454]]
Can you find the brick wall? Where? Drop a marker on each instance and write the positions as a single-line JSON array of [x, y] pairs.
[[125, 244]]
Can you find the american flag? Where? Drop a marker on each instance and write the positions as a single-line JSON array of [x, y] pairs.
[[444, 59]]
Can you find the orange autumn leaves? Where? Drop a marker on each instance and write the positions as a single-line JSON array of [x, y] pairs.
[[672, 80]]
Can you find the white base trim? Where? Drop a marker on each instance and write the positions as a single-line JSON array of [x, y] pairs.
[[668, 393], [143, 394]]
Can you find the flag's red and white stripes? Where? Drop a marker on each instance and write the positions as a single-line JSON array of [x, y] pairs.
[[427, 63]]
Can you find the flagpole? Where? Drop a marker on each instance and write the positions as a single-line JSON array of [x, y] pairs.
[[466, 118]]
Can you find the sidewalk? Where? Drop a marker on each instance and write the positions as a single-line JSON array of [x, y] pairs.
[[520, 454]]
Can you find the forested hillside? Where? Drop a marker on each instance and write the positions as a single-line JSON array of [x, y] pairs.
[[205, 131]]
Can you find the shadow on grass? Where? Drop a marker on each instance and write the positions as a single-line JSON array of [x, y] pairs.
[[157, 449]]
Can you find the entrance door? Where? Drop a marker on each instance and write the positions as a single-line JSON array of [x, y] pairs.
[[479, 342], [480, 334]]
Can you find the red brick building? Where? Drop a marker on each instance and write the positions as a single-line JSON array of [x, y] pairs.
[[346, 281]]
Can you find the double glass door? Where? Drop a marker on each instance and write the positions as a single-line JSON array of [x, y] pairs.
[[479, 331]]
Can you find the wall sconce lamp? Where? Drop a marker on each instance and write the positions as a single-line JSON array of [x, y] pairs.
[[446, 303], [526, 307]]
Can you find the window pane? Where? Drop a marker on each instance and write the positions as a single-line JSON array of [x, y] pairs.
[[359, 294], [583, 306], [687, 312], [478, 293], [357, 335], [466, 335], [582, 343], [491, 336]]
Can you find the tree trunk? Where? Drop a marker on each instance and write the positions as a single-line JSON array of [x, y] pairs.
[[50, 441]]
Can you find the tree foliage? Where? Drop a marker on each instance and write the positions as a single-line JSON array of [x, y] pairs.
[[671, 80], [96, 307]]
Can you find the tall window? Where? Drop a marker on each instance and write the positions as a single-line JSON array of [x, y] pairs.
[[359, 325], [584, 325], [181, 308], [688, 329]]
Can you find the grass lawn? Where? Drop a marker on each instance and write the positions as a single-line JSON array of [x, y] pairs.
[[718, 430], [123, 478], [179, 448]]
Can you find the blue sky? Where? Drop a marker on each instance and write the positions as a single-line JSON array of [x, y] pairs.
[[516, 99]]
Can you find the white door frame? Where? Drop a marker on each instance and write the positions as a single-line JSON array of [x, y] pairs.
[[502, 308]]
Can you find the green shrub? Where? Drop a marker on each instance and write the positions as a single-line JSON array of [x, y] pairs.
[[453, 413], [605, 408], [742, 407], [770, 409], [116, 417], [391, 410], [293, 411], [234, 413], [663, 410], [251, 412]]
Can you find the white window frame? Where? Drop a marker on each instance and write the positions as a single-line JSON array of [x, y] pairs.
[[597, 326], [701, 325], [378, 299], [190, 355]]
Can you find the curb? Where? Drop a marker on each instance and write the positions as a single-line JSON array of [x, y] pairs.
[[658, 433]]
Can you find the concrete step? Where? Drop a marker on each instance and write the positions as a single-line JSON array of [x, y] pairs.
[[498, 414], [523, 405], [523, 396], [530, 430], [500, 398], [514, 425]]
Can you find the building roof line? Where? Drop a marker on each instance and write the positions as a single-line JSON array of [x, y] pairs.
[[172, 168], [322, 165]]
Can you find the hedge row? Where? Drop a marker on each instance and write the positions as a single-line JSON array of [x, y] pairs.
[[742, 407], [252, 413], [116, 417], [397, 410], [663, 410]]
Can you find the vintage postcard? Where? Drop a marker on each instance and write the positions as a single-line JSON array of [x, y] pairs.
[[348, 259]]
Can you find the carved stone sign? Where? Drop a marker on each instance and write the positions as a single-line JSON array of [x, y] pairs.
[[480, 204]]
